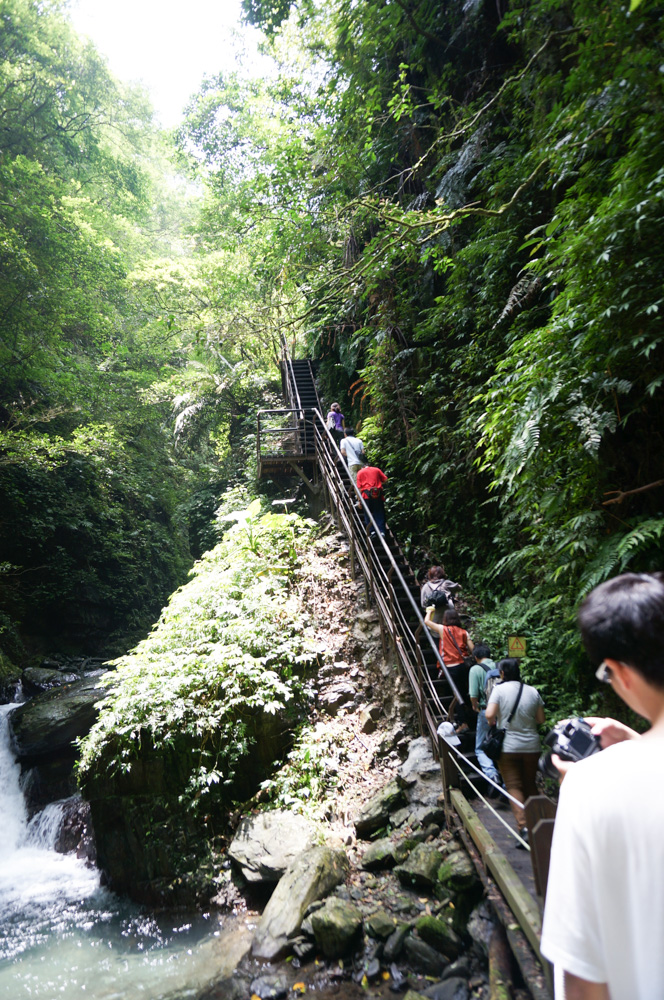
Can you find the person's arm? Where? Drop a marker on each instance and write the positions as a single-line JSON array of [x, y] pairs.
[[540, 718], [581, 989], [432, 625], [492, 713], [469, 643], [475, 703]]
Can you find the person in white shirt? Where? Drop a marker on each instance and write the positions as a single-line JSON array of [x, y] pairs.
[[604, 914], [353, 451]]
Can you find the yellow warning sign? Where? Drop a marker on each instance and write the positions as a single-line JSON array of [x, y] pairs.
[[516, 645]]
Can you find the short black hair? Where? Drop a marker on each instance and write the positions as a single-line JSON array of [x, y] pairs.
[[481, 651], [350, 432], [623, 619], [510, 668]]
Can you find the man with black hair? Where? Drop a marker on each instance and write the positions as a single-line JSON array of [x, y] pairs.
[[370, 480], [604, 914], [477, 690]]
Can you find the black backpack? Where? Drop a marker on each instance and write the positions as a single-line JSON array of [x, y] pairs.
[[441, 599]]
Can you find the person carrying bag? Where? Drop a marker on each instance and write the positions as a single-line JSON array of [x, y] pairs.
[[520, 742], [493, 744]]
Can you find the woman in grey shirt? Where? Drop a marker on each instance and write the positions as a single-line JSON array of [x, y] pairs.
[[521, 746]]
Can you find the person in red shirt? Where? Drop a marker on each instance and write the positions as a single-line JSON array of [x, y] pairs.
[[370, 484], [455, 646]]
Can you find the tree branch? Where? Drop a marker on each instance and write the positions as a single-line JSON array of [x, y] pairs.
[[621, 494]]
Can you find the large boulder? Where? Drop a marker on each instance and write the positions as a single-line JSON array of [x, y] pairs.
[[420, 777], [267, 844], [376, 812], [312, 876], [44, 733], [49, 724], [439, 935], [421, 868], [336, 927], [39, 679]]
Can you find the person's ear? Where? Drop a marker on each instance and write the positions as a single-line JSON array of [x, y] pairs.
[[621, 671]]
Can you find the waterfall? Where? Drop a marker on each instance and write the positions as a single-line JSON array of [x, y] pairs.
[[61, 934], [13, 815]]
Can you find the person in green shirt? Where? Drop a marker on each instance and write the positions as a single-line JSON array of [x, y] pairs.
[[476, 688]]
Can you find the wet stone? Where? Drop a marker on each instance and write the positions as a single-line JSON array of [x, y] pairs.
[[394, 944], [269, 988], [422, 867], [380, 925], [379, 855], [424, 958], [439, 935]]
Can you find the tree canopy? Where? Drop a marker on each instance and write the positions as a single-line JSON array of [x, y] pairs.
[[456, 208]]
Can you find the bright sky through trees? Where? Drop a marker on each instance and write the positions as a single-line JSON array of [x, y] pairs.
[[168, 46]]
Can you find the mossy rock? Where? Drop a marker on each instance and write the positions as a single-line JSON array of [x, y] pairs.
[[422, 867], [10, 675], [403, 849], [336, 927], [457, 872], [380, 854], [376, 812], [439, 935], [380, 925]]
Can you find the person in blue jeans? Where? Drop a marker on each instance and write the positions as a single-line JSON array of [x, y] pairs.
[[483, 670]]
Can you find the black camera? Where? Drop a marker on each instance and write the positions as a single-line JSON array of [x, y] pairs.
[[571, 739]]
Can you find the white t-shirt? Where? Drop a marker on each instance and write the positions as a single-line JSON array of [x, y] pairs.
[[521, 735], [352, 448], [604, 914]]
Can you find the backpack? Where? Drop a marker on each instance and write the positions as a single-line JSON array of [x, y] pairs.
[[441, 599], [492, 678], [330, 423]]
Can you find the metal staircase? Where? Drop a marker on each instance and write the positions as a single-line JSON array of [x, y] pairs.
[[296, 440]]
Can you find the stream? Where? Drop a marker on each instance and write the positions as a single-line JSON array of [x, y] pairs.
[[63, 935]]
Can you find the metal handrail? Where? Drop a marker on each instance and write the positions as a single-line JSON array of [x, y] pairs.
[[324, 432]]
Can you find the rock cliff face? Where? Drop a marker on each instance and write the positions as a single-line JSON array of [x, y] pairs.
[[147, 844], [44, 731]]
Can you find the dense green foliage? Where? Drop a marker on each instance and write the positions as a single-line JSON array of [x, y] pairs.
[[131, 354], [213, 694], [457, 208], [234, 639], [471, 199]]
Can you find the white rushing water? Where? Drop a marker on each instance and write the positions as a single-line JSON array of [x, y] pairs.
[[63, 935]]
